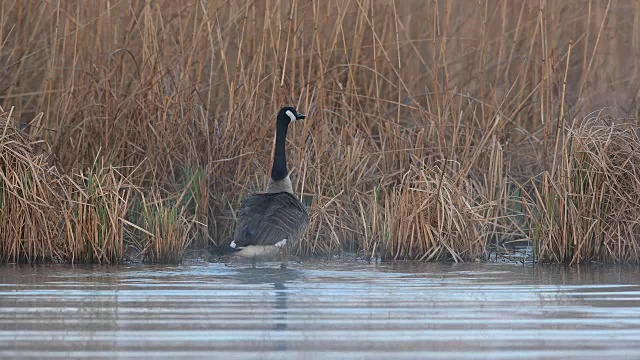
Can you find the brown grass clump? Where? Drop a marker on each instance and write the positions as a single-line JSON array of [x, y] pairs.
[[94, 205], [436, 129], [428, 217], [167, 232], [587, 208], [28, 214]]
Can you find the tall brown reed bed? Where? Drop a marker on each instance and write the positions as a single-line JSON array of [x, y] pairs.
[[81, 217], [436, 128], [46, 216]]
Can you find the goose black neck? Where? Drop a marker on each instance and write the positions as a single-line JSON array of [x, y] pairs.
[[279, 169]]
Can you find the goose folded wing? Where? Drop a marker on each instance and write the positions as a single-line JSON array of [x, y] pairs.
[[266, 219]]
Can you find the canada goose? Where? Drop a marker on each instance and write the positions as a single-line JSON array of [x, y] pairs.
[[267, 221]]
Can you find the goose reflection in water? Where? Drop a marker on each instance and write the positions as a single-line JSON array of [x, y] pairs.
[[279, 279]]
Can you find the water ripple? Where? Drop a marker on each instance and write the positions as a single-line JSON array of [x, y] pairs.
[[319, 310]]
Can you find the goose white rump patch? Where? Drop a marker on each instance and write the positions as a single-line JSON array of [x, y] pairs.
[[259, 250]]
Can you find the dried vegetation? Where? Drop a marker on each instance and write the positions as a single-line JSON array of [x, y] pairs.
[[437, 130]]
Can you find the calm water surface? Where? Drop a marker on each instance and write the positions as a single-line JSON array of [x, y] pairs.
[[320, 310]]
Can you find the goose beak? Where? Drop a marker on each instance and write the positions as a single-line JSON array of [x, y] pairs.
[[300, 116]]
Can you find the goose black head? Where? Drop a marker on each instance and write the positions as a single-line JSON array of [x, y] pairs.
[[289, 114]]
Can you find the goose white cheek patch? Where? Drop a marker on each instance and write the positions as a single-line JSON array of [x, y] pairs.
[[291, 116]]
